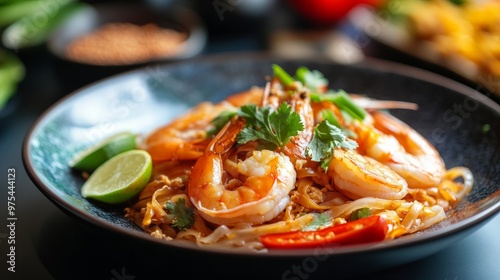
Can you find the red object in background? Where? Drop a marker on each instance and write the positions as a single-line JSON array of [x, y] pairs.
[[364, 230], [328, 12]]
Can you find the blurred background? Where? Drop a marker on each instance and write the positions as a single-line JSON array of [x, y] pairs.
[[50, 48], [57, 46]]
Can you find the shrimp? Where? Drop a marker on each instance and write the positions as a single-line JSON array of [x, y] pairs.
[[358, 176], [300, 102], [185, 138], [375, 104], [257, 194], [252, 96], [397, 145]]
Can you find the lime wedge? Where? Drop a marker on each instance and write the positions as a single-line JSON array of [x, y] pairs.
[[91, 158], [120, 178]]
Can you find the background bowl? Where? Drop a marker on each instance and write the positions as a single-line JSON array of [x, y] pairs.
[[89, 19], [140, 101]]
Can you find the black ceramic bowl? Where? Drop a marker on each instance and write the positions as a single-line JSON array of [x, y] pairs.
[[140, 102], [89, 19]]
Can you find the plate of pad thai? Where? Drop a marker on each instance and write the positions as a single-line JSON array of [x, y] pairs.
[[256, 157], [456, 38]]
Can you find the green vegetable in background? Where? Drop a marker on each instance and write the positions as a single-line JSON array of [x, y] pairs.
[[274, 128], [34, 28], [27, 23]]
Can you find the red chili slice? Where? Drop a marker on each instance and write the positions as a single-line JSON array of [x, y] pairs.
[[365, 230]]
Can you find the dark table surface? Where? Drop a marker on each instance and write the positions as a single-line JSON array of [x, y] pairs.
[[51, 245]]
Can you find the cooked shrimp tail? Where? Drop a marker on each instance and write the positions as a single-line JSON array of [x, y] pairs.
[[185, 138]]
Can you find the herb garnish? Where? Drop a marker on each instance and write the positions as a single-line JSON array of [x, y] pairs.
[[326, 138], [274, 128], [183, 215]]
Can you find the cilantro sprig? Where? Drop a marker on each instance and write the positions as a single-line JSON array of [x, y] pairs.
[[326, 138], [183, 215], [272, 128], [458, 2]]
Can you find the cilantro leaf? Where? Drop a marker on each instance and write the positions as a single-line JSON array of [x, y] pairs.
[[321, 220], [183, 215], [326, 138], [286, 123], [219, 122], [314, 80], [273, 128]]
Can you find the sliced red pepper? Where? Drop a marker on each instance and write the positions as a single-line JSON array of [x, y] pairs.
[[365, 230]]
